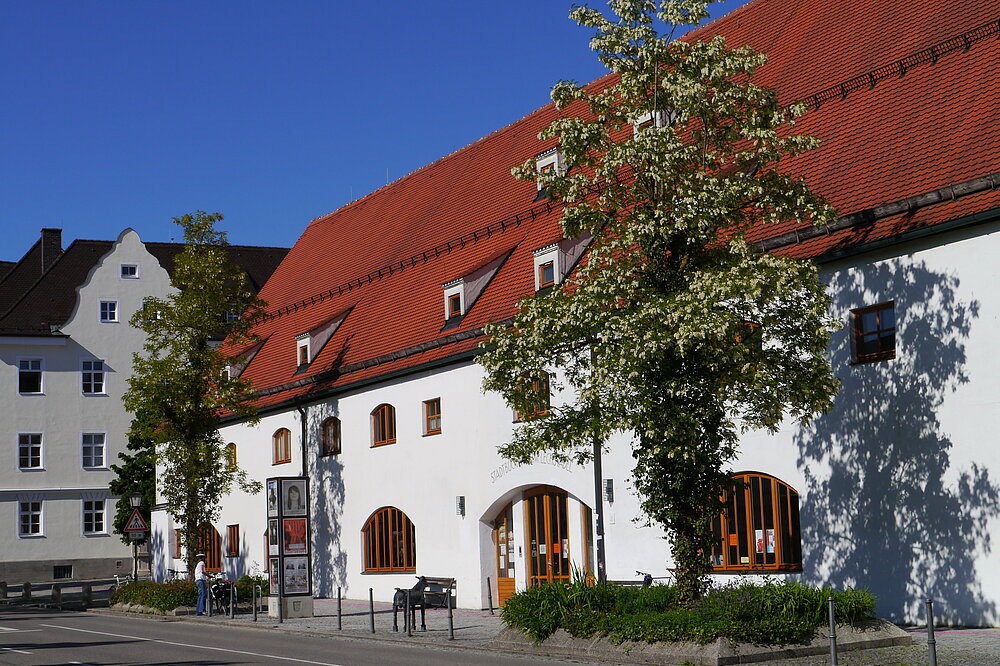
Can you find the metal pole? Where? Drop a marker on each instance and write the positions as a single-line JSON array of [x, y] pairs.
[[135, 561], [371, 609], [258, 594], [340, 621], [451, 619], [833, 634], [489, 594], [209, 595], [931, 643], [602, 575], [281, 592], [232, 600], [406, 618]]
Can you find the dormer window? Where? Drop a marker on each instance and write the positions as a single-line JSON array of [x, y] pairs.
[[302, 349], [546, 274], [658, 118], [454, 299], [550, 159], [547, 268]]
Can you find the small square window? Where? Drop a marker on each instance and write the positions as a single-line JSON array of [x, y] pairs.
[[130, 271], [432, 416], [109, 312], [546, 274], [29, 450], [92, 375], [874, 332], [29, 375], [93, 449]]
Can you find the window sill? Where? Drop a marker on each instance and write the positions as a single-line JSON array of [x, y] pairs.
[[30, 469], [431, 434], [382, 572], [381, 444], [280, 462], [90, 535], [329, 454], [30, 536], [29, 395], [873, 359]]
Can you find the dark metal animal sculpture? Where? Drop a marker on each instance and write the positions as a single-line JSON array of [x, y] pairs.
[[416, 599]]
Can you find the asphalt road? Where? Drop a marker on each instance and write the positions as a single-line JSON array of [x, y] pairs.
[[32, 636]]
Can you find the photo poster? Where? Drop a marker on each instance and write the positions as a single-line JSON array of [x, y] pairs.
[[296, 575], [288, 534], [275, 571], [770, 541], [272, 498], [295, 539], [272, 536], [293, 497], [759, 538]]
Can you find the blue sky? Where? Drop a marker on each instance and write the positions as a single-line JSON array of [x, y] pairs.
[[122, 114]]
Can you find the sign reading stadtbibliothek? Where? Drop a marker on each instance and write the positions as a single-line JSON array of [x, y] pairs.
[[288, 535]]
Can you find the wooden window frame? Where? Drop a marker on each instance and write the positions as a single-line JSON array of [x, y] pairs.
[[454, 305], [383, 425], [389, 542], [210, 543], [233, 540], [429, 416], [544, 281], [539, 385], [757, 499], [178, 552], [881, 333], [282, 443], [231, 454], [330, 437]]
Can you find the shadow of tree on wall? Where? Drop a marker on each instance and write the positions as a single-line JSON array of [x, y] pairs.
[[883, 508], [329, 561]]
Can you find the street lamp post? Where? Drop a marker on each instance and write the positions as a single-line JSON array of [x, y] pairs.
[[135, 499]]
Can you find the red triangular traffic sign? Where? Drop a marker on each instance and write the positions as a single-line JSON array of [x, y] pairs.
[[136, 523]]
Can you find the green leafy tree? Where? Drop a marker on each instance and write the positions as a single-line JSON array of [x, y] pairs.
[[179, 384], [135, 474], [674, 329]]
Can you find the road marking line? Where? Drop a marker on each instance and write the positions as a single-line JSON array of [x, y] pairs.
[[191, 645], [19, 631], [7, 649]]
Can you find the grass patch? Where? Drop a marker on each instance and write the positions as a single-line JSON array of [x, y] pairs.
[[758, 613]]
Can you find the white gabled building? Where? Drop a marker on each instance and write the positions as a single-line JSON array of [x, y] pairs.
[[368, 381], [65, 357]]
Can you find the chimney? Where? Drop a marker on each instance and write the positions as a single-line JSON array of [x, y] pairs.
[[51, 247]]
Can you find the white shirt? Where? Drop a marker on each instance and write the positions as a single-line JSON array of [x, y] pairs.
[[199, 571]]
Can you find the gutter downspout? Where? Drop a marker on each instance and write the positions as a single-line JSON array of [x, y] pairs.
[[302, 435]]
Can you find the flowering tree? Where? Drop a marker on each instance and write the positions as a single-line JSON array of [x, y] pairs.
[[179, 385], [674, 329]]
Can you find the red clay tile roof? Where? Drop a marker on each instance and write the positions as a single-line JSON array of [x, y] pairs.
[[912, 110]]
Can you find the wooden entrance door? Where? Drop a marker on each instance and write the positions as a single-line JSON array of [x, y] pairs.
[[503, 539], [547, 535]]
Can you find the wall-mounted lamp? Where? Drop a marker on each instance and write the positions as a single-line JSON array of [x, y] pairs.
[[609, 491], [460, 505]]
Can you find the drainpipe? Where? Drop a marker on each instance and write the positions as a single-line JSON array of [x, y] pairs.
[[302, 438]]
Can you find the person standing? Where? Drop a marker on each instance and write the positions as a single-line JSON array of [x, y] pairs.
[[201, 580]]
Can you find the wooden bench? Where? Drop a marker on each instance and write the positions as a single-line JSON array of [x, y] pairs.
[[438, 591]]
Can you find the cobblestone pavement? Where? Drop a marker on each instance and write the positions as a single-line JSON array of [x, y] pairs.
[[955, 647]]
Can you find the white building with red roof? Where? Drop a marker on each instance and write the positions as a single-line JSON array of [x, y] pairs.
[[369, 384]]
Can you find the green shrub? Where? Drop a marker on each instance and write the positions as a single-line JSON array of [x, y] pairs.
[[162, 596], [244, 587], [769, 612]]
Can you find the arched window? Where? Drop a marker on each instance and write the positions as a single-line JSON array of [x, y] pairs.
[[282, 440], [231, 454], [384, 425], [759, 527], [330, 437], [390, 541]]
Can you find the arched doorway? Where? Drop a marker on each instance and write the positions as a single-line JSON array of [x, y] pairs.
[[546, 524]]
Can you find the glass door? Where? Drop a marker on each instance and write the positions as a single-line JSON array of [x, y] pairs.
[[503, 539], [547, 537]]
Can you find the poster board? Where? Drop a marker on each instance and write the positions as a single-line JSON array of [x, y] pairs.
[[288, 548]]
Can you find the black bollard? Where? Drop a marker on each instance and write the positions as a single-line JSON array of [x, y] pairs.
[[26, 591], [406, 616], [451, 620], [56, 594], [3, 589], [489, 594], [931, 643], [833, 635], [340, 621], [371, 609], [87, 592]]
